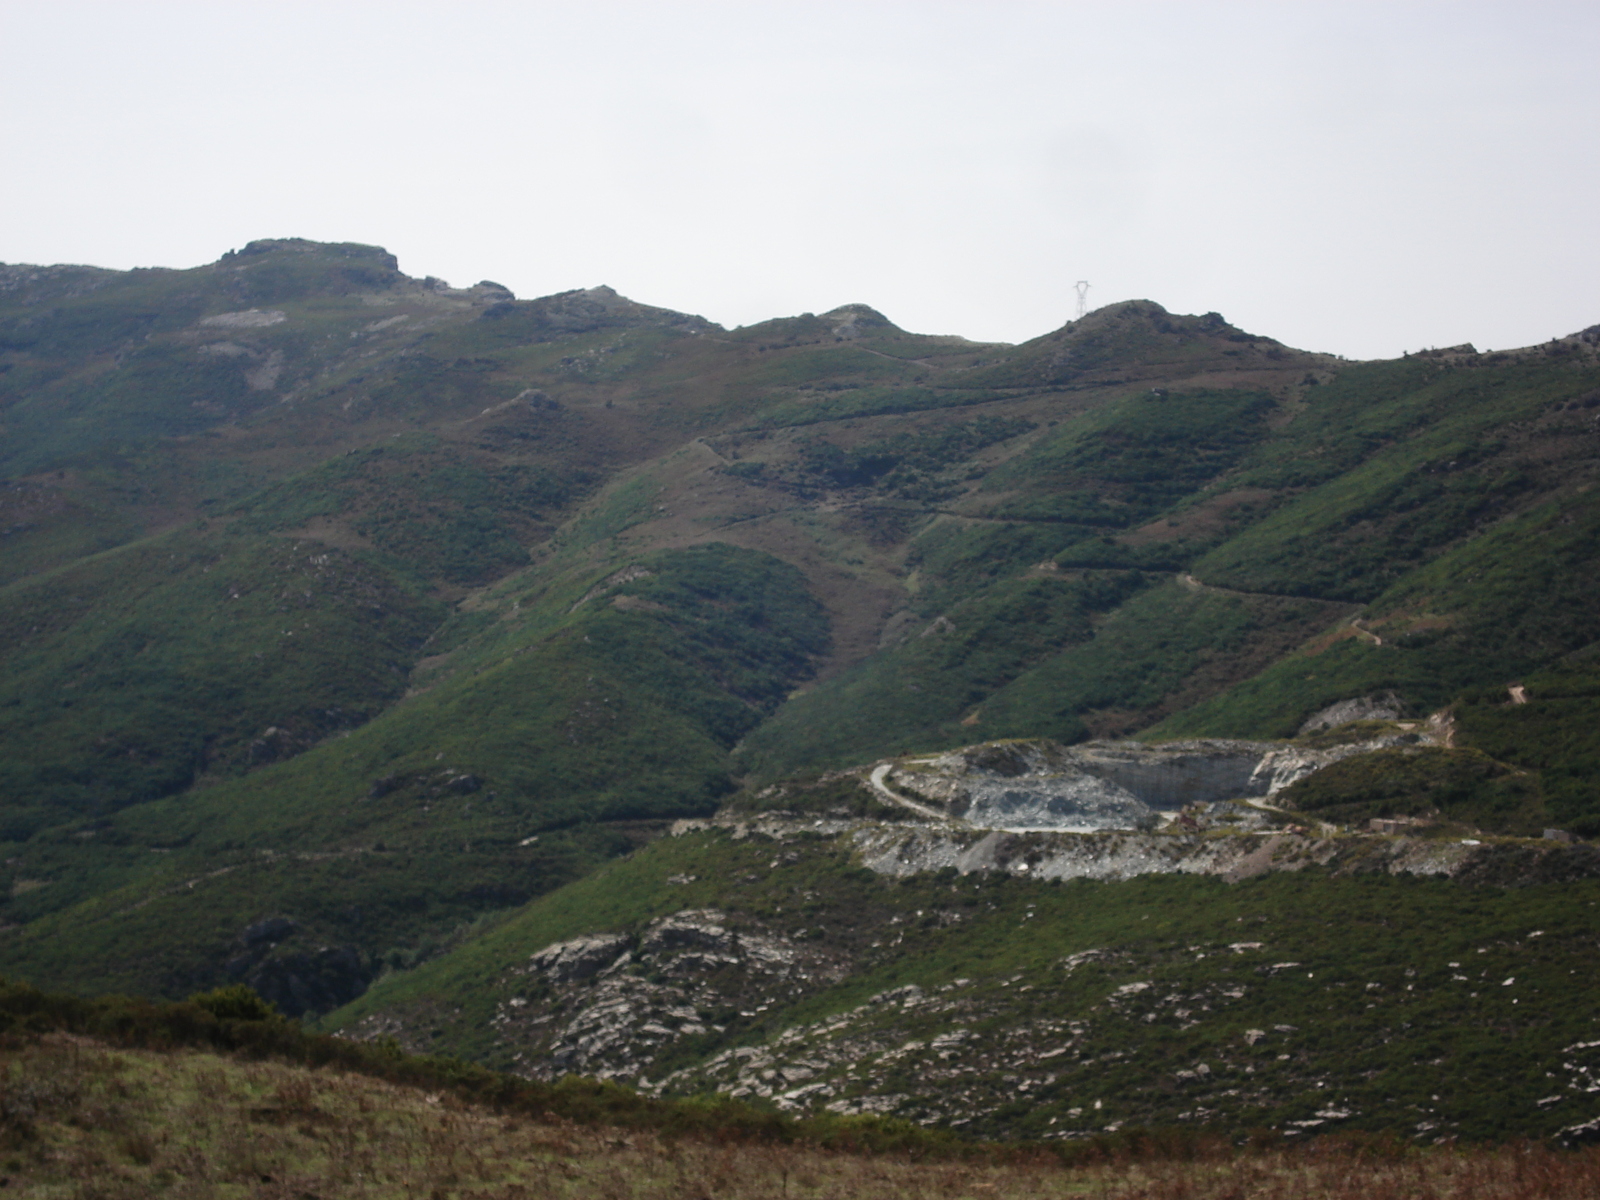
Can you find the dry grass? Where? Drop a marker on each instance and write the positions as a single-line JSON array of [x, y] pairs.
[[80, 1120]]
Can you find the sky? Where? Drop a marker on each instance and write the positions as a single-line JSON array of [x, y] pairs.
[[1357, 178]]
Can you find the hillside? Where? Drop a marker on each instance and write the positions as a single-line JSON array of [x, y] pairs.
[[112, 1115], [1067, 985], [351, 621]]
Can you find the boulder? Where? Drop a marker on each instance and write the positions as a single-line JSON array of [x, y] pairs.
[[579, 958]]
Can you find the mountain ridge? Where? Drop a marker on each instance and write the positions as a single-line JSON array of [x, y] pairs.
[[376, 610]]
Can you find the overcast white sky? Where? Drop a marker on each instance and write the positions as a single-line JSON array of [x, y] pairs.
[[1360, 178]]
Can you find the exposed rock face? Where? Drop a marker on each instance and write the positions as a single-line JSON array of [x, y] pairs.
[[253, 318], [851, 321], [1076, 802], [1232, 842], [1172, 774], [580, 958], [607, 1004], [1385, 707], [1099, 785], [1040, 785], [907, 850]]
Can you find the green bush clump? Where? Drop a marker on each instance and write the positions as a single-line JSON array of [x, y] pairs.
[[954, 561], [744, 619], [1464, 786], [236, 1002], [1388, 467], [1156, 653], [1494, 610]]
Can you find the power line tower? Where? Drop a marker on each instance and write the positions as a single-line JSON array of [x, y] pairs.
[[1083, 297]]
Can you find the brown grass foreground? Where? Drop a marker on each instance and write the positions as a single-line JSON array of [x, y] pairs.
[[81, 1119]]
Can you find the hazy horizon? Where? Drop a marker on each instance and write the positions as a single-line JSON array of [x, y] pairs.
[[1362, 179]]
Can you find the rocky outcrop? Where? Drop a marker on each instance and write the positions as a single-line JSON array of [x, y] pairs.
[[580, 958], [1385, 707], [964, 1052], [607, 1004], [1231, 840], [1073, 802], [1170, 775]]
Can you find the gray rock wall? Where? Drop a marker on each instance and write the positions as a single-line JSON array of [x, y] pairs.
[[1174, 774], [1040, 785]]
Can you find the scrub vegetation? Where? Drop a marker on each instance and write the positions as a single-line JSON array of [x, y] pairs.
[[357, 631], [176, 1101]]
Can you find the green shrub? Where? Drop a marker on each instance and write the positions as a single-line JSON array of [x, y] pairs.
[[1420, 781], [235, 1003]]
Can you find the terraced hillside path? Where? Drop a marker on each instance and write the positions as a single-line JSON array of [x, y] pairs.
[[1197, 586]]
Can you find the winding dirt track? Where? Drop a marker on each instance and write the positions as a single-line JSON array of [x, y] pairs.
[[876, 779]]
